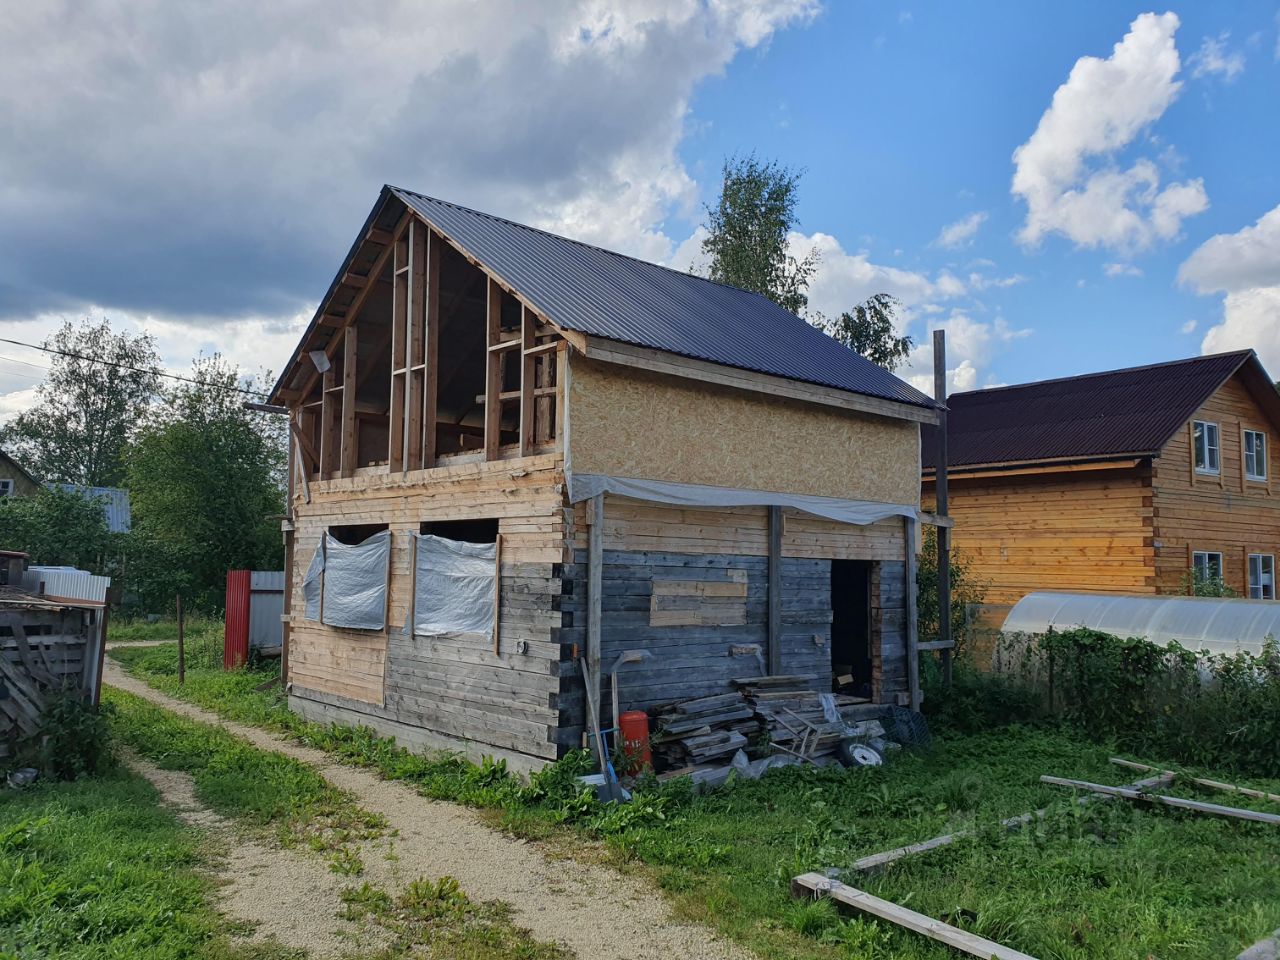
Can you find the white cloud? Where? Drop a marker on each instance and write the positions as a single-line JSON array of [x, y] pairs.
[[1213, 58], [1121, 270], [1245, 268], [961, 233], [978, 281], [1188, 327], [210, 165], [844, 279], [971, 347], [1067, 171]]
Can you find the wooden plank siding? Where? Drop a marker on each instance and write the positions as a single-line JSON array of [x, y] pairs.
[[1083, 530], [1225, 513], [1123, 527], [528, 501]]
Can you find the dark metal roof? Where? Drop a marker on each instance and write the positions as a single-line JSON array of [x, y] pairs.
[[1131, 412], [604, 294]]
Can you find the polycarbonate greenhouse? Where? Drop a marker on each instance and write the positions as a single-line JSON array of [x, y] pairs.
[[1214, 624]]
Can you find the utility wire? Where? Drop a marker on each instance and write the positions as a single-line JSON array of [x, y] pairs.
[[125, 366]]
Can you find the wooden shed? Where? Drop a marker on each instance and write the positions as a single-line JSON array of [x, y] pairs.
[[1125, 481], [511, 448], [47, 646]]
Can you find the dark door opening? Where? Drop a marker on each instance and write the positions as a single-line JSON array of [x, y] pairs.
[[851, 626]]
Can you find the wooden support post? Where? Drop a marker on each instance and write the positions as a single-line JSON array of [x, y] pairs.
[[497, 593], [349, 435], [940, 508], [775, 590], [431, 347], [416, 338], [493, 372], [182, 645], [595, 585], [399, 357], [329, 440], [528, 324], [909, 592]]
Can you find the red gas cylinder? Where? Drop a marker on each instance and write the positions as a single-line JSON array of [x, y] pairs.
[[634, 725]]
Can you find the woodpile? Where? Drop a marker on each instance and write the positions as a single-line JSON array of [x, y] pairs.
[[704, 730], [710, 730]]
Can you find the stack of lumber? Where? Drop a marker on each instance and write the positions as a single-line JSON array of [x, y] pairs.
[[792, 711], [704, 730]]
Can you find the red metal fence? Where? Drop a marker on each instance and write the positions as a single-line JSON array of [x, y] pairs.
[[235, 650]]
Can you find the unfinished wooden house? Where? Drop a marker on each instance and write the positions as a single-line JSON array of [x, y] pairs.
[[1128, 481], [511, 449]]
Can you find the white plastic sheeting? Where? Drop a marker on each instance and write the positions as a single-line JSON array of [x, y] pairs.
[[1213, 624], [354, 583], [584, 486], [453, 586], [312, 583]]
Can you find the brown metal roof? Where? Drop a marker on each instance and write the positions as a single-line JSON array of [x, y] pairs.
[[1119, 413]]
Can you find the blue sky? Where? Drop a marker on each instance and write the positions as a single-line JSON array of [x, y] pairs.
[[1063, 187], [906, 118]]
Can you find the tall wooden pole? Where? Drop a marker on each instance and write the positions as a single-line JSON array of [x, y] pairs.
[[940, 490], [182, 647]]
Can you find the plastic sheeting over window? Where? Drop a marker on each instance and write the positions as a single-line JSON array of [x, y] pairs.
[[312, 584], [1215, 624], [453, 586], [354, 582]]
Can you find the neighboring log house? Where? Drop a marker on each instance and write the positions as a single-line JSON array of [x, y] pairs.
[[651, 461], [1118, 482]]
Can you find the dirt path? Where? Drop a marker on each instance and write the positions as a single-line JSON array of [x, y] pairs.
[[592, 910], [284, 894]]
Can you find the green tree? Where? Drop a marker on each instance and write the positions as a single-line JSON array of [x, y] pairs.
[[58, 528], [966, 590], [205, 481], [99, 389], [868, 329], [747, 233]]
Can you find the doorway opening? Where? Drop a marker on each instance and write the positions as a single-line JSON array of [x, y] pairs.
[[851, 627]]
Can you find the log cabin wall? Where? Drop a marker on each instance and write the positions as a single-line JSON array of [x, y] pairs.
[[1226, 512], [1087, 529], [449, 690], [689, 586]]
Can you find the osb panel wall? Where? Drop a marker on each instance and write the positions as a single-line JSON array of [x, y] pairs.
[[527, 497], [1227, 513], [632, 423], [1086, 531], [635, 525]]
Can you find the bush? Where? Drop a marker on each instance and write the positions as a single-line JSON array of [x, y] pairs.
[[74, 739], [1195, 708]]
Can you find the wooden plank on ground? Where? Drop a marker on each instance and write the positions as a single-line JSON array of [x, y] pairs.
[[816, 885], [1194, 806], [1202, 782]]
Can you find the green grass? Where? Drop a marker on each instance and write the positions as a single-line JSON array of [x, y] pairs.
[[436, 919], [96, 869], [1113, 881], [237, 780]]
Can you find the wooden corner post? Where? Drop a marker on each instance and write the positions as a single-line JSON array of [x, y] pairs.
[[942, 531], [909, 603], [775, 590], [595, 586]]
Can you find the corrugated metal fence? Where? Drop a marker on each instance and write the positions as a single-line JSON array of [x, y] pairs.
[[255, 604]]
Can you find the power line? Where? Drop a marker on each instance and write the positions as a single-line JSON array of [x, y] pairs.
[[125, 366]]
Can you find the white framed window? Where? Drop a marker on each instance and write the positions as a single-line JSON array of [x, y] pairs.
[[1262, 576], [6, 487], [1255, 455], [1207, 450], [1207, 564]]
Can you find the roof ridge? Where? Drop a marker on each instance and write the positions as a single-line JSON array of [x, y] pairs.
[[987, 391], [576, 242]]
